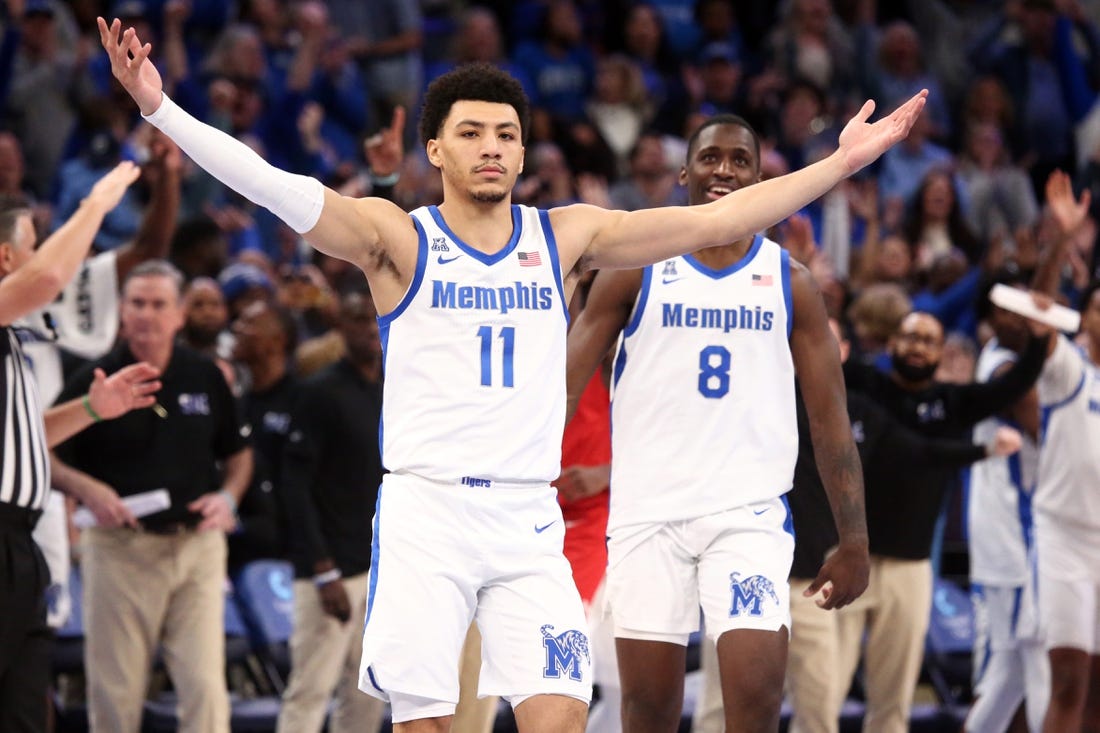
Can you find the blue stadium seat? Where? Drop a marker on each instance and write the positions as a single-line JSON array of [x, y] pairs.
[[949, 644], [266, 597]]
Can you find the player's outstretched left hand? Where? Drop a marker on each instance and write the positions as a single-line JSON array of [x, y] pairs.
[[862, 143], [843, 577]]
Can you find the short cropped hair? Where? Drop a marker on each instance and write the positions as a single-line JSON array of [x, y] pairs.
[[157, 268], [478, 82], [11, 209], [724, 119]]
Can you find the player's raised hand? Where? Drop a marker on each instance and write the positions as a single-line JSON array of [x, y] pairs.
[[385, 150], [862, 142], [130, 64], [1068, 212]]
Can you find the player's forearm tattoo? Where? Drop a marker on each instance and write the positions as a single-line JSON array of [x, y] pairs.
[[842, 473]]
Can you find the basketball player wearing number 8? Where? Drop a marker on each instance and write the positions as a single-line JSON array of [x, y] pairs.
[[704, 447], [467, 524]]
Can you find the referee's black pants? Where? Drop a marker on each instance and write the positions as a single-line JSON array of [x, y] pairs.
[[24, 635]]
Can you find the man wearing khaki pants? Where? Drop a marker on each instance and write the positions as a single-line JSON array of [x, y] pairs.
[[160, 582]]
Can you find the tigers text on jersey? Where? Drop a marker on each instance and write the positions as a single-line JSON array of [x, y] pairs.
[[999, 513], [703, 410], [474, 357], [1069, 457]]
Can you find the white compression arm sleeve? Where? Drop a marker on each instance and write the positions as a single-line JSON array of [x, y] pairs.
[[295, 199]]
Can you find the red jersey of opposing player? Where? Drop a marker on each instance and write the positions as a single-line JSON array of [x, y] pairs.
[[586, 444]]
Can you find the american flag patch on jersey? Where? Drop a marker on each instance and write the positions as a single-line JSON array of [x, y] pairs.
[[529, 259], [762, 280]]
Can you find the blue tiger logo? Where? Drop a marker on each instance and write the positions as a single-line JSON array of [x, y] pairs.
[[564, 652], [749, 594]]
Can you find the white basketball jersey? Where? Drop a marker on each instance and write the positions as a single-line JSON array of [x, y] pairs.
[[1069, 454], [85, 314], [703, 415], [999, 514], [474, 358]]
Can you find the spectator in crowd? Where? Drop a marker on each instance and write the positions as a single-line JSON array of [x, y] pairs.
[[205, 319], [652, 179], [385, 37], [936, 224], [45, 82], [331, 472], [243, 284], [618, 106], [811, 43], [265, 337], [478, 38], [896, 71], [1051, 85], [160, 582], [1001, 198], [643, 40], [903, 171], [559, 64]]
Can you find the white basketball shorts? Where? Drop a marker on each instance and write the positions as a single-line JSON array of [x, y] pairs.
[[447, 553], [734, 565]]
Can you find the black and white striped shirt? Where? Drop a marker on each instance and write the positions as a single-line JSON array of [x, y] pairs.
[[25, 468]]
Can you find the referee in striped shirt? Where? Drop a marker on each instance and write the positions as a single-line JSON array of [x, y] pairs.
[[29, 279]]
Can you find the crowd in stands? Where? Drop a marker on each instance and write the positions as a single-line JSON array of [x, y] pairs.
[[331, 90]]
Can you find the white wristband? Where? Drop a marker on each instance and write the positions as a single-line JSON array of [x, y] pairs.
[[327, 577], [295, 199]]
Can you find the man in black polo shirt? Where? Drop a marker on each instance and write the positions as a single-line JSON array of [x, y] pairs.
[[161, 582], [902, 507], [331, 475]]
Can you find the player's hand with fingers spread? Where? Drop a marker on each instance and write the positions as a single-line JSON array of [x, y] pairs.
[[861, 142], [130, 64], [130, 388], [847, 571]]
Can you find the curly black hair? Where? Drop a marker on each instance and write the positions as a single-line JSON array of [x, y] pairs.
[[480, 82]]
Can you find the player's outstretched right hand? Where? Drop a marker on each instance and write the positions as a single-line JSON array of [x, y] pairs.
[[130, 64]]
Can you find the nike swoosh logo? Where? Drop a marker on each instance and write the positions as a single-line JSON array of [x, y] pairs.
[[543, 528], [442, 261], [758, 513], [667, 281]]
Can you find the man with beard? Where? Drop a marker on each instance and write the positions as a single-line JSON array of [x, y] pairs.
[[330, 477], [266, 336], [902, 507], [205, 318]]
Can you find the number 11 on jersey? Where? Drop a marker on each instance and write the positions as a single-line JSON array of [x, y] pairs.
[[508, 338]]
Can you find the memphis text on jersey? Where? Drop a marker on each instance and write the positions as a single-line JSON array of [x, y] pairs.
[[516, 296], [677, 315]]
